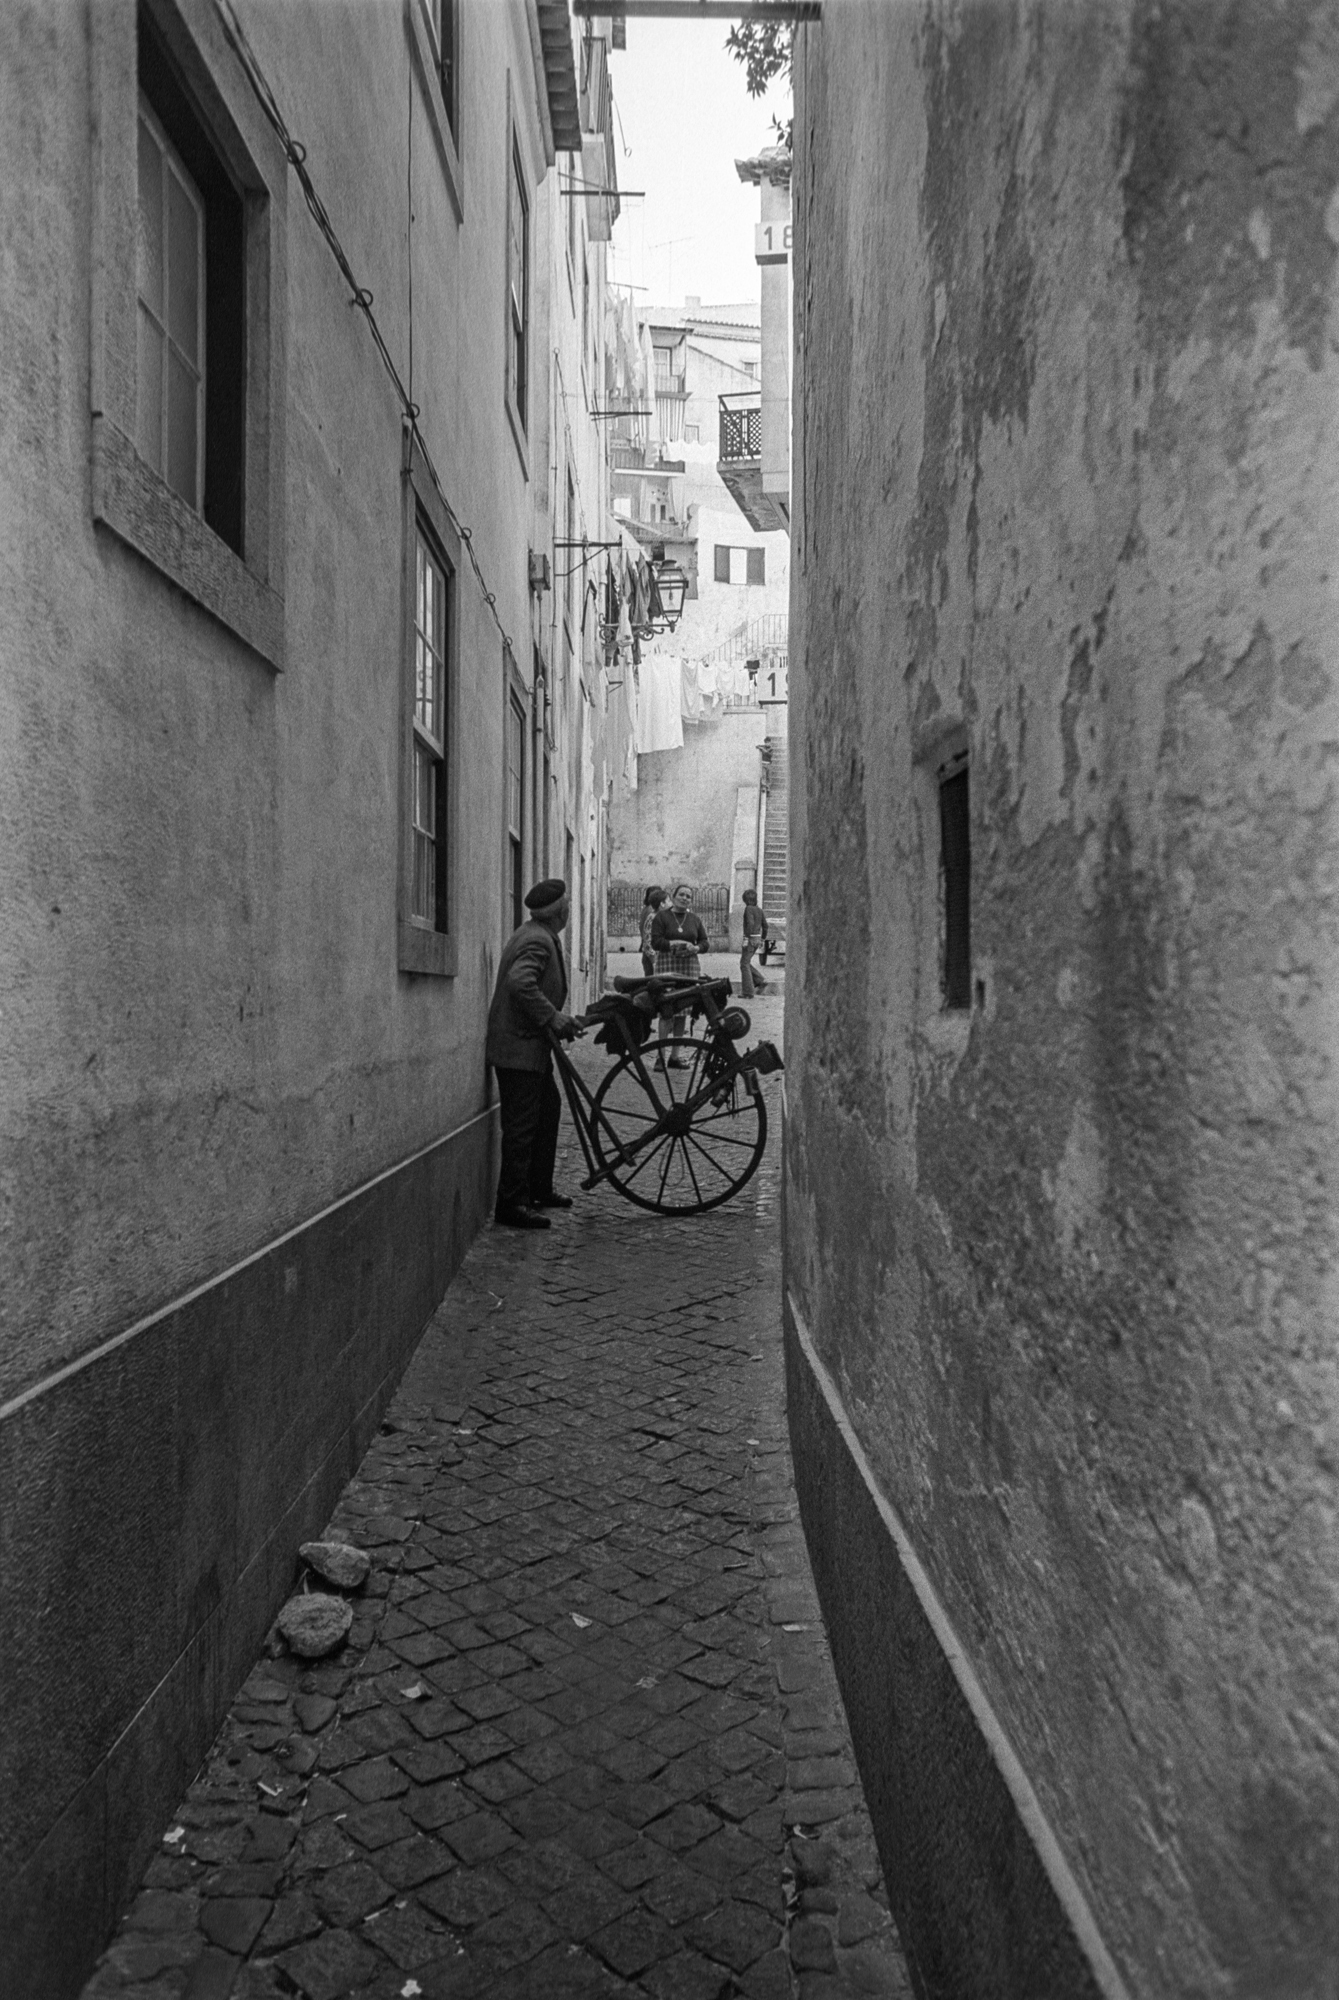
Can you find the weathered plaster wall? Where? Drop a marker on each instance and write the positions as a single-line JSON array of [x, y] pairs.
[[1068, 493], [679, 823], [241, 1153], [206, 1037]]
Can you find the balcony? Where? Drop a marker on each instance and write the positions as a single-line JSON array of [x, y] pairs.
[[740, 464]]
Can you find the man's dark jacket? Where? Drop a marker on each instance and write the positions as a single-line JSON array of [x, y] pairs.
[[530, 992]]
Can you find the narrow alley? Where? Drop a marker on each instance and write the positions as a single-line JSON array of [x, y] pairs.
[[585, 1736]]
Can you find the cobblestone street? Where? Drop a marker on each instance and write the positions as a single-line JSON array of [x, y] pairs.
[[585, 1736]]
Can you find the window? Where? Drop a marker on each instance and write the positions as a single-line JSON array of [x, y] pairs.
[[190, 408], [515, 883], [428, 808], [757, 565], [518, 290], [170, 407], [956, 878], [722, 569], [692, 433], [445, 30], [186, 364], [428, 890]]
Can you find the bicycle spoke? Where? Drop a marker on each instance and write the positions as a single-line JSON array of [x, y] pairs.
[[723, 1138], [714, 1164], [646, 1158], [669, 1161], [688, 1162], [727, 1168]]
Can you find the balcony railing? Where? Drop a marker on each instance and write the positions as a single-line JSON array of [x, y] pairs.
[[741, 427]]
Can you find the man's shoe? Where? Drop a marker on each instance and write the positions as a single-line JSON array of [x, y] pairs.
[[520, 1218], [550, 1200]]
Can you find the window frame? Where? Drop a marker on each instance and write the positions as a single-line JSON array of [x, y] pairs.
[[423, 948], [517, 378], [132, 501], [515, 715], [954, 797], [445, 105], [171, 164]]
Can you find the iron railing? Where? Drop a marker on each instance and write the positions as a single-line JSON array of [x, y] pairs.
[[741, 426]]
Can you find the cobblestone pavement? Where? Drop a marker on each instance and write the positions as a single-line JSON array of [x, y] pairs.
[[585, 1737]]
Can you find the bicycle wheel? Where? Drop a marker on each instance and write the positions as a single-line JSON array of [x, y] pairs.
[[705, 1152]]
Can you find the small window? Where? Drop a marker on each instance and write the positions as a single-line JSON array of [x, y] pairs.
[[190, 413], [956, 876], [429, 756], [692, 433], [518, 290], [757, 565], [722, 570], [447, 34], [428, 903], [515, 811]]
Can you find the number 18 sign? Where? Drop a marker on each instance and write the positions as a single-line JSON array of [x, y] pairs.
[[771, 242]]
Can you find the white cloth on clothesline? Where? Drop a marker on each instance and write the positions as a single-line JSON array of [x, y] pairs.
[[660, 704]]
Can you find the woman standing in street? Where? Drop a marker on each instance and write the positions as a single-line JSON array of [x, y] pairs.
[[651, 902], [678, 934]]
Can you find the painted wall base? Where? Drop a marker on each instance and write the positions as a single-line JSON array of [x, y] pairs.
[[975, 1901], [154, 1500]]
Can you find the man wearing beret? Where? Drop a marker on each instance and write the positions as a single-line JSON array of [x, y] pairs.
[[528, 1001]]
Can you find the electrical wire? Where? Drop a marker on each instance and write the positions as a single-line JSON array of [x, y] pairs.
[[296, 155]]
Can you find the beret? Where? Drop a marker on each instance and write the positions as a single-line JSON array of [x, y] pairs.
[[545, 893]]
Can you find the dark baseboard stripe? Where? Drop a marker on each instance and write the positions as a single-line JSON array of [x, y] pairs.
[[106, 1347], [1068, 1893]]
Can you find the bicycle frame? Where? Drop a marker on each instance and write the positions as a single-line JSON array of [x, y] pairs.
[[581, 1099]]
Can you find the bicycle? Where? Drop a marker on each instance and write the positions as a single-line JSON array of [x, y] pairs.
[[696, 1142]]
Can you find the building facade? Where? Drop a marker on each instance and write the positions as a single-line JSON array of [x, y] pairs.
[[1060, 1043], [696, 810], [289, 721]]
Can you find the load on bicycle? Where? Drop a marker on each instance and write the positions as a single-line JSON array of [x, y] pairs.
[[677, 1143]]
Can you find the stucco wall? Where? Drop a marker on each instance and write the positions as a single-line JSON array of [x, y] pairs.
[[1068, 494], [206, 1036], [679, 823], [241, 1152]]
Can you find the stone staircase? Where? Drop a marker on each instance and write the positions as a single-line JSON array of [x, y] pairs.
[[776, 839]]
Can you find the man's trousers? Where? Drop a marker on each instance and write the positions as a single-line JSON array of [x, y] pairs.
[[531, 1108]]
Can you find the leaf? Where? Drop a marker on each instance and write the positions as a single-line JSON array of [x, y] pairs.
[[270, 1791], [647, 1681], [173, 1834], [415, 1693], [797, 1628], [577, 1619]]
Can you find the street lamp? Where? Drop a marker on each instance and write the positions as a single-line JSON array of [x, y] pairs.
[[671, 588]]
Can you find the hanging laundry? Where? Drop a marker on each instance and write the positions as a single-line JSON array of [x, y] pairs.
[[709, 684], [641, 594], [690, 699], [659, 706], [653, 603]]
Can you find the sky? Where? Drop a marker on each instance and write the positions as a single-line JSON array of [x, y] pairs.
[[682, 119]]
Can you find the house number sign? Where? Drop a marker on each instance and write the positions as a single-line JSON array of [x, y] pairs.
[[771, 242]]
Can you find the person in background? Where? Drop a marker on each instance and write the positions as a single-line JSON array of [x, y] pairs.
[[755, 934], [678, 934], [528, 1001], [651, 902]]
